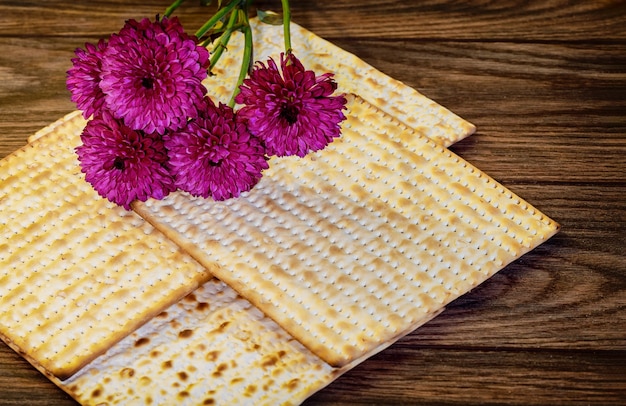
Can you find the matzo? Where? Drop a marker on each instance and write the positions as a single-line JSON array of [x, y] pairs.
[[77, 273], [352, 75], [214, 348], [352, 246]]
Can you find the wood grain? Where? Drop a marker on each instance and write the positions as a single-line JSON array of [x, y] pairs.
[[545, 83]]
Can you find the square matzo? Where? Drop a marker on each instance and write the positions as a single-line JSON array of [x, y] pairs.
[[355, 245], [352, 74], [77, 273]]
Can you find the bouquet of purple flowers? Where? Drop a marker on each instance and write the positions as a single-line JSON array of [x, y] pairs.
[[153, 128]]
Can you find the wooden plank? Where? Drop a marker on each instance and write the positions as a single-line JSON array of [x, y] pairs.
[[536, 21], [496, 376]]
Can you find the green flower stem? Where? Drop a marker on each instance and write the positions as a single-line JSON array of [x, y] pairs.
[[209, 40], [219, 48], [246, 62], [172, 7], [286, 26], [216, 18]]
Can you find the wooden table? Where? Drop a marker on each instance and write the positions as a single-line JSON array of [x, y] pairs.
[[544, 82]]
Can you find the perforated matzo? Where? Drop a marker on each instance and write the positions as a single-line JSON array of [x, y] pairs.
[[211, 348], [352, 74], [349, 247], [77, 273]]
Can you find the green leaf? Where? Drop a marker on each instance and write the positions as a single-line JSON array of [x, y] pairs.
[[270, 17]]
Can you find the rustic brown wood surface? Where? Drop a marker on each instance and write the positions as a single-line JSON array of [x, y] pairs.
[[544, 82]]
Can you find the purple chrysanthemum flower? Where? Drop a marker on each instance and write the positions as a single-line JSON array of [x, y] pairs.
[[215, 155], [123, 164], [152, 75], [83, 78], [293, 113]]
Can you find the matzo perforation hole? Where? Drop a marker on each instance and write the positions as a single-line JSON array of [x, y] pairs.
[[493, 257], [479, 210]]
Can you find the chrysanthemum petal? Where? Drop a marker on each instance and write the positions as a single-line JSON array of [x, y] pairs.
[[83, 78], [121, 164], [292, 110], [152, 75], [215, 155]]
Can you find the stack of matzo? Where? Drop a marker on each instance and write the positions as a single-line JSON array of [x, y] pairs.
[[334, 256]]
